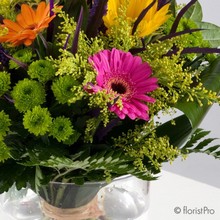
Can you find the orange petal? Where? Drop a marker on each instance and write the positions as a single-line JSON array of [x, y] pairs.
[[28, 34], [40, 12], [3, 38], [12, 25], [28, 14], [21, 21]]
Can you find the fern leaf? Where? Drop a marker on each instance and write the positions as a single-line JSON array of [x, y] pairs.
[[199, 144]]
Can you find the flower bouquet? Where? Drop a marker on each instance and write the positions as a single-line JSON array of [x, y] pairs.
[[83, 83]]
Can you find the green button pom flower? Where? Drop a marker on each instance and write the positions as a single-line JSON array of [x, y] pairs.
[[25, 56], [37, 121], [43, 70], [62, 88], [27, 94], [61, 128]]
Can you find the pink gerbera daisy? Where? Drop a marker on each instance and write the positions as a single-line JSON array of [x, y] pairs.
[[128, 78]]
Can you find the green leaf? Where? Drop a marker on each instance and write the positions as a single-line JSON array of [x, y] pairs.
[[211, 33], [194, 12], [173, 7], [204, 143], [198, 134], [197, 144], [11, 172], [211, 80], [178, 132], [193, 113], [96, 20], [73, 7]]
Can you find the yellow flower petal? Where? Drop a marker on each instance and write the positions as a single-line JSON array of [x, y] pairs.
[[151, 21]]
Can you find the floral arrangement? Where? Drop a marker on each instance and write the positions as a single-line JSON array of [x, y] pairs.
[[83, 82]]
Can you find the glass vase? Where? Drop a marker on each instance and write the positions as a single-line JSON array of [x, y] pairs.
[[125, 198]]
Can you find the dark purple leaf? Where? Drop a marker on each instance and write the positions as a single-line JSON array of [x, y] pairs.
[[67, 40], [176, 34], [180, 15], [50, 28], [203, 50], [97, 11], [161, 3], [76, 36], [18, 62]]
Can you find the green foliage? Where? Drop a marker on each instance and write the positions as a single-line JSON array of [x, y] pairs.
[[27, 94], [4, 82], [23, 55], [80, 168], [197, 143], [174, 81], [37, 121], [196, 111], [43, 70], [5, 122], [194, 13], [5, 9], [4, 151], [210, 33], [146, 148], [14, 173], [61, 129]]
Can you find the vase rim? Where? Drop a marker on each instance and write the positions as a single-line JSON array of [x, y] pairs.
[[94, 182]]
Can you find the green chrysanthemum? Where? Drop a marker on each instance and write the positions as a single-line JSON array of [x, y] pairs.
[[43, 70], [5, 122], [4, 82], [4, 151], [61, 128], [62, 88], [37, 120], [27, 94], [24, 55]]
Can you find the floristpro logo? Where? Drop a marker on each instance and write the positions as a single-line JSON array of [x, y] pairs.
[[185, 210]]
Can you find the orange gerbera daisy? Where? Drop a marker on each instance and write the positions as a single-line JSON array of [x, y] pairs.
[[28, 24]]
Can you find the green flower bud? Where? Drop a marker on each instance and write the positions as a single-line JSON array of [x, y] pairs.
[[27, 94], [43, 70], [62, 88], [4, 82], [37, 120]]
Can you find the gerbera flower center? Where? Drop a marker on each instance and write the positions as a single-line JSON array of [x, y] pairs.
[[119, 87]]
